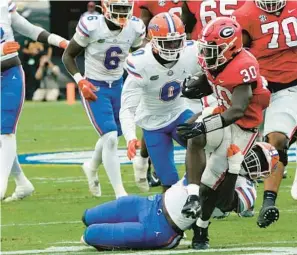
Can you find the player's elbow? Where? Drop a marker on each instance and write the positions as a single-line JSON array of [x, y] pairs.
[[237, 112]]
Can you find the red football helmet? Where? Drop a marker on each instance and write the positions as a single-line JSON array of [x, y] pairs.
[[261, 160], [167, 34], [271, 6], [219, 41]]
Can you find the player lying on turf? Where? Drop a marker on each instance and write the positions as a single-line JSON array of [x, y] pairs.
[[106, 40], [155, 222], [13, 94], [232, 73], [151, 95]]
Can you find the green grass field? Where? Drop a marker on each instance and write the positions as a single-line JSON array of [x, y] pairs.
[[49, 221]]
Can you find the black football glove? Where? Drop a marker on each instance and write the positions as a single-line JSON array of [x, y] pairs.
[[196, 87], [192, 207], [187, 131]]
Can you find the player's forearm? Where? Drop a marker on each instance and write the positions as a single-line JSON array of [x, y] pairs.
[[38, 75], [128, 124]]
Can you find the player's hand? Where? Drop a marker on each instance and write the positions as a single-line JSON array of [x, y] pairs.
[[192, 207], [190, 89], [10, 47], [133, 145], [188, 131], [235, 158], [64, 44], [87, 89]]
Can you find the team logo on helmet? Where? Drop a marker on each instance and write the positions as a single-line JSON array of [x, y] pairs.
[[227, 32], [154, 27]]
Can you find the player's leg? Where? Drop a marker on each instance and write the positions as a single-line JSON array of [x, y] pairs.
[[12, 99], [294, 185], [160, 147], [280, 122], [101, 114], [24, 187]]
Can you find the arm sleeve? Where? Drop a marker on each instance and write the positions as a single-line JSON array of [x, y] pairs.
[[130, 100], [24, 27]]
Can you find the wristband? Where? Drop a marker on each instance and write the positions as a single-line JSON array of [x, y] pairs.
[[213, 122], [77, 77], [193, 189], [55, 40]]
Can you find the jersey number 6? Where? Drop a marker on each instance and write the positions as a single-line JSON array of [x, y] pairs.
[[111, 58], [170, 91]]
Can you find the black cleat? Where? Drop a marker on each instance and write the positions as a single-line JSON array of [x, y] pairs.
[[267, 215], [152, 178], [200, 239]]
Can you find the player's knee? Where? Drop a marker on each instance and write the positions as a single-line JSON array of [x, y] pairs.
[[111, 140], [281, 143]]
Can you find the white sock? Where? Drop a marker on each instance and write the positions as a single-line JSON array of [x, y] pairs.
[[18, 174], [201, 223], [111, 162], [7, 156], [97, 155]]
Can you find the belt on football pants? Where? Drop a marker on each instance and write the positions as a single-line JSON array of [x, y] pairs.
[[168, 218], [277, 86]]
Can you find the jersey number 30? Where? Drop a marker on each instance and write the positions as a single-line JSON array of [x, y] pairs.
[[170, 91], [112, 59]]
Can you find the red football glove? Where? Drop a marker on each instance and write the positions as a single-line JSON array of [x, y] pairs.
[[10, 47], [87, 89], [133, 145]]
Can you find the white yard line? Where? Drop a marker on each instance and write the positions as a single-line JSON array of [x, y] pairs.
[[82, 250]]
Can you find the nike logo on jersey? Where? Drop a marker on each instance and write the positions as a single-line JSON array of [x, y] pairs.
[[155, 77], [220, 81], [290, 11]]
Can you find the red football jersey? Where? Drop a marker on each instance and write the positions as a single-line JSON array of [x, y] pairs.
[[157, 6], [205, 11], [274, 40], [244, 68]]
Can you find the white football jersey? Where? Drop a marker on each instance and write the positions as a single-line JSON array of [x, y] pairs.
[[6, 32], [107, 50], [152, 91]]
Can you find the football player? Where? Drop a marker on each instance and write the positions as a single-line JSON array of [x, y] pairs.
[[233, 74], [196, 14], [106, 40], [12, 94], [156, 222], [270, 30], [151, 95]]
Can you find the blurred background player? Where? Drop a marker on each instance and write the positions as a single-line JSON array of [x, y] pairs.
[[270, 30], [196, 14], [233, 73], [13, 94], [156, 222], [151, 95], [91, 9], [106, 40]]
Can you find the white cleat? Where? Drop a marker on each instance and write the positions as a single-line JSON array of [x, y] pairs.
[[82, 240], [294, 190], [140, 166], [21, 192], [93, 181]]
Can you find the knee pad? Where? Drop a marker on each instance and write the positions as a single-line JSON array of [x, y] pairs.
[[283, 153], [110, 140]]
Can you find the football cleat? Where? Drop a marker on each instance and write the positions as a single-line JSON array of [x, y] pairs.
[[93, 181], [247, 213], [140, 167], [218, 214], [21, 192], [267, 215], [294, 190], [200, 239], [152, 177]]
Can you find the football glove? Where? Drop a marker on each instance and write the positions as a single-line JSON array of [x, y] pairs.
[[235, 158], [87, 89], [133, 145], [188, 131], [9, 47], [192, 207]]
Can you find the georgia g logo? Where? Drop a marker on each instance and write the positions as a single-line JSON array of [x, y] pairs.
[[227, 32]]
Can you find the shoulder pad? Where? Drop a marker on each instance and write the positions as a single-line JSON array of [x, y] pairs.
[[135, 63], [88, 23], [137, 25]]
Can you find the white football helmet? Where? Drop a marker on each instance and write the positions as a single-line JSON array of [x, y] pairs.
[[270, 5]]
